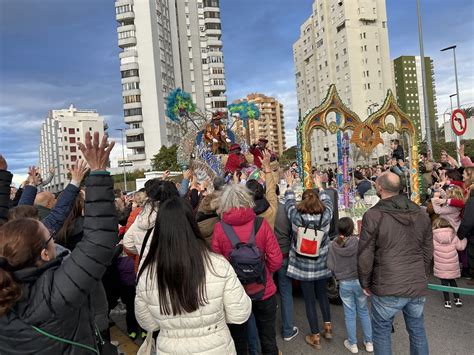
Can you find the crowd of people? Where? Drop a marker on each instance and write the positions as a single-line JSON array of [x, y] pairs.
[[202, 266]]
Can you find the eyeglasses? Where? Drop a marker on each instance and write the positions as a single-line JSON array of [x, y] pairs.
[[52, 235]]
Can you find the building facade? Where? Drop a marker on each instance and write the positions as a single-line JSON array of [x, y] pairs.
[[270, 125], [343, 43], [60, 133], [409, 88], [167, 44]]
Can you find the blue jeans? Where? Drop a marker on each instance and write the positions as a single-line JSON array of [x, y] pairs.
[[384, 310], [286, 292], [311, 289], [355, 303]]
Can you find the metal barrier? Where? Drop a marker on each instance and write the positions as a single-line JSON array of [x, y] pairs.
[[460, 290]]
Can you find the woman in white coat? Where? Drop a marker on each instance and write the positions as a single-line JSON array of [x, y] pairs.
[[197, 292]]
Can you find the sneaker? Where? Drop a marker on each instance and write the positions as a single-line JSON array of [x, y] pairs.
[[447, 304], [457, 302], [144, 335], [132, 335], [352, 348], [369, 347], [293, 335]]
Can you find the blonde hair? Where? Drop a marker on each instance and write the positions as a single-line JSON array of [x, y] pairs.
[[139, 197], [440, 222], [455, 192], [235, 196]]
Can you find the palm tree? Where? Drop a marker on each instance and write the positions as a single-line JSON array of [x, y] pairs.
[[469, 111]]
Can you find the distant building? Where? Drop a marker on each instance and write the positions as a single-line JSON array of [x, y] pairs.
[[60, 133], [343, 42], [270, 125], [409, 88], [167, 44]]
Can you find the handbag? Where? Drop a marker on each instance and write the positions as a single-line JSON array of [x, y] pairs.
[[149, 346], [308, 241]]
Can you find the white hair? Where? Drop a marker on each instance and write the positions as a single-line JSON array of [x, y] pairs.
[[235, 196]]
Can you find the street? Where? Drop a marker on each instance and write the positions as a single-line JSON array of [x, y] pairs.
[[450, 331]]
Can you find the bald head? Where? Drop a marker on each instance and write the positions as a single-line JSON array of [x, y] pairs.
[[45, 199], [388, 184]]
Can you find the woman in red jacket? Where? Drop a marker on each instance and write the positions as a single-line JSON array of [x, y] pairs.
[[236, 210]]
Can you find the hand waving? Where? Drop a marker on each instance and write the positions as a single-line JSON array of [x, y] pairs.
[[34, 177], [78, 171], [97, 156], [266, 161]]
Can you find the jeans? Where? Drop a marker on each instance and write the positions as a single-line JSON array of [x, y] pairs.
[[310, 290], [355, 303], [384, 310], [451, 283], [286, 293], [265, 318], [252, 336]]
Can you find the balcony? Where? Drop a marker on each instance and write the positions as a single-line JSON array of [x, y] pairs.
[[133, 119], [132, 105], [127, 42], [219, 88], [136, 157], [213, 32], [136, 144], [134, 131], [214, 42], [131, 92], [125, 16]]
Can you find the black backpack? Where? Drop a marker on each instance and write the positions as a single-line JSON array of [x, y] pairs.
[[247, 261]]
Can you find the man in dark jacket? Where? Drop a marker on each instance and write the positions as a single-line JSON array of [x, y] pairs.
[[466, 230], [395, 252]]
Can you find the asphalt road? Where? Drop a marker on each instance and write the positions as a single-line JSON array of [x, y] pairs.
[[450, 331]]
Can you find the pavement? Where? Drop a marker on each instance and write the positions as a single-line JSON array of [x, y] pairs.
[[450, 331]]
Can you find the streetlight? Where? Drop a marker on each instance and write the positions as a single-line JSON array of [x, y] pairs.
[[123, 160], [423, 79], [458, 140]]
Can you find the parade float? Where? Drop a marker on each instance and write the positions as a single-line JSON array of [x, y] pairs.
[[208, 136], [354, 137]]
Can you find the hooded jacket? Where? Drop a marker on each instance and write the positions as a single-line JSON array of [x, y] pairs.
[[268, 207], [56, 296], [241, 219], [206, 216], [446, 261], [395, 248], [135, 235], [342, 260]]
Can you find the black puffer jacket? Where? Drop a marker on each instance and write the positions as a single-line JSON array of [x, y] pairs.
[[5, 181], [395, 248], [56, 296]]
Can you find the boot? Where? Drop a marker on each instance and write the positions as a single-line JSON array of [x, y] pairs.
[[314, 340], [327, 332]]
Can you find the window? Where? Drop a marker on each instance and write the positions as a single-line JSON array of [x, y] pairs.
[[376, 48], [132, 112], [65, 139], [344, 51], [213, 26], [66, 147], [325, 63], [67, 156], [130, 86], [72, 139], [73, 149], [345, 63], [129, 73], [126, 34], [71, 130], [368, 86], [319, 43], [77, 129], [373, 10], [337, 56], [73, 157], [384, 24], [131, 99], [211, 3], [211, 14], [341, 27], [124, 8], [65, 129]]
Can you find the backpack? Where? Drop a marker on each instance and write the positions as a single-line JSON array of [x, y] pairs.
[[247, 261], [308, 241]]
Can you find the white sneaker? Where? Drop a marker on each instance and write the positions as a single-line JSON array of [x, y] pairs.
[[369, 347], [447, 304], [457, 302], [292, 336], [352, 348]]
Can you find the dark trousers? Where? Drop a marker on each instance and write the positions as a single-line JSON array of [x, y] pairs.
[[127, 294], [452, 283], [311, 289], [265, 317]]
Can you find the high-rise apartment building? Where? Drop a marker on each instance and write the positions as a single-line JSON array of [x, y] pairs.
[[167, 44], [409, 87], [60, 133], [270, 125], [343, 43]]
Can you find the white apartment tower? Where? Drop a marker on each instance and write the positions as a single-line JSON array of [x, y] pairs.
[[167, 44], [344, 42], [60, 133]]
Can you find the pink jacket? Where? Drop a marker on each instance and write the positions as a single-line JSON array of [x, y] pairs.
[[241, 219], [446, 261], [450, 213]]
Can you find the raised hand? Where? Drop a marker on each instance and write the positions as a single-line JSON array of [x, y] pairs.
[[97, 156], [461, 151], [266, 161], [166, 174], [34, 177], [187, 174], [289, 178], [3, 163], [78, 171]]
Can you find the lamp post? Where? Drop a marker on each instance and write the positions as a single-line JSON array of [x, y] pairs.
[[123, 160], [458, 139]]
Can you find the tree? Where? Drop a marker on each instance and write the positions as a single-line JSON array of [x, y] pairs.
[[288, 156], [166, 159]]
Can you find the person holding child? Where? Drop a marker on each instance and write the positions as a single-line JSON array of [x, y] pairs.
[[342, 261]]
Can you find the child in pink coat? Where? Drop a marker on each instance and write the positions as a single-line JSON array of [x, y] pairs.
[[446, 261]]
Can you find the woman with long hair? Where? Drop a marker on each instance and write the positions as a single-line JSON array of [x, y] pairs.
[[185, 290], [314, 211], [45, 301]]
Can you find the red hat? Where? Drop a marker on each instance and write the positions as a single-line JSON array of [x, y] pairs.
[[264, 140], [235, 146]]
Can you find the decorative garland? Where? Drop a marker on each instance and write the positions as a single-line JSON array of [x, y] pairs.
[[179, 104], [246, 110]]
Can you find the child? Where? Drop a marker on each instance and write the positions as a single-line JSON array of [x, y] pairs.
[[446, 261], [441, 205], [342, 261]]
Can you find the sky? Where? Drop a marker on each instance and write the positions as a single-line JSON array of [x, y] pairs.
[[55, 52]]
